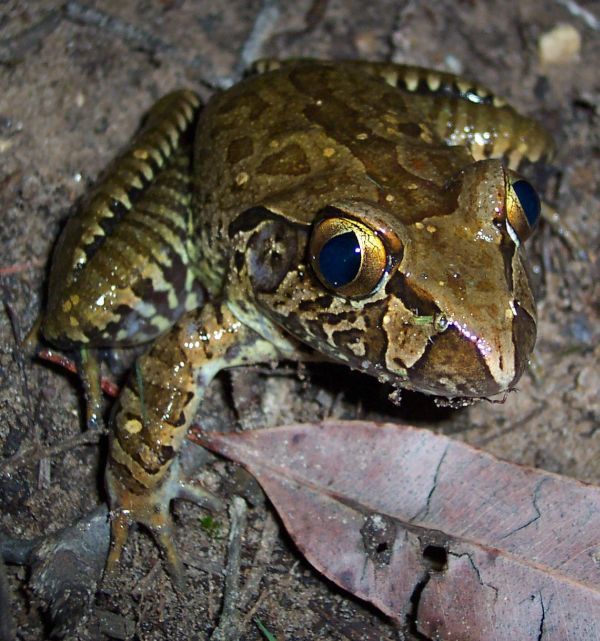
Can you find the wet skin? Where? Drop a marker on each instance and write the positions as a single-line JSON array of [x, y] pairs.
[[362, 213]]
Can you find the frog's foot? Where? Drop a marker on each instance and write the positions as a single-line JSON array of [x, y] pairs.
[[151, 509]]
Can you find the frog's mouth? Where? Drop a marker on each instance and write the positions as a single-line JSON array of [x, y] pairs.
[[457, 364]]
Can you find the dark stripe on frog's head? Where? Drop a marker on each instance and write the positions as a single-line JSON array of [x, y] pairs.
[[524, 335], [289, 161], [413, 298], [452, 366], [253, 217], [328, 108], [239, 149]]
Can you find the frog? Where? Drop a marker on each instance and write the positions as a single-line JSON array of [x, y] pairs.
[[361, 213]]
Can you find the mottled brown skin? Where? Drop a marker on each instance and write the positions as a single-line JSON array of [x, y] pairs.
[[417, 163]]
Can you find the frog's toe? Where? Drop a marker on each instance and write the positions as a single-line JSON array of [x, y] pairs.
[[158, 521], [120, 524], [151, 510], [188, 491]]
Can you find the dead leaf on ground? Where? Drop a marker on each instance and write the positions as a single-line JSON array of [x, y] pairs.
[[436, 534]]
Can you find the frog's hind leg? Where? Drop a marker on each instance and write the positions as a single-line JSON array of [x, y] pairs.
[[123, 269], [457, 111], [462, 112]]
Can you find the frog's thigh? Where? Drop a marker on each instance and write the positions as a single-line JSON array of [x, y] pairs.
[[122, 271], [462, 112], [154, 413]]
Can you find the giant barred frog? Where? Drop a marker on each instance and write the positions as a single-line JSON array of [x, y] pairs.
[[362, 213]]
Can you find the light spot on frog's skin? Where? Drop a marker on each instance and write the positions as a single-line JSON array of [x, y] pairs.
[[431, 229], [482, 345], [391, 77], [419, 225], [433, 81], [289, 161], [133, 426], [362, 136], [74, 322], [481, 235], [328, 152], [242, 178], [411, 80], [390, 198], [358, 349]]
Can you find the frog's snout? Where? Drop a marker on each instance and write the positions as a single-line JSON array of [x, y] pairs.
[[461, 363]]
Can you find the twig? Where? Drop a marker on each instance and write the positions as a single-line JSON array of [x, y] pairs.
[[17, 268], [261, 561], [315, 14], [11, 49], [262, 28], [108, 387], [578, 11], [227, 630], [29, 455], [80, 13], [33, 428], [282, 587]]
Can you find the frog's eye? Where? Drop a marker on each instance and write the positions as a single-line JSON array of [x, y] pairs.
[[347, 256], [522, 208]]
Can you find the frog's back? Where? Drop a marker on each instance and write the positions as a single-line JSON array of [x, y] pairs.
[[309, 133]]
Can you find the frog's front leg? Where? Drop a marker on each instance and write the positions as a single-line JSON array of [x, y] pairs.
[[153, 414]]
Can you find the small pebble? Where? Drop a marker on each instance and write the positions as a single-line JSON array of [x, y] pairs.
[[560, 45]]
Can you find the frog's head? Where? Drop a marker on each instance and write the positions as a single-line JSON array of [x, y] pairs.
[[437, 302]]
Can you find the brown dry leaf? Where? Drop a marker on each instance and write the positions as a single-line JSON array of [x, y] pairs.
[[433, 532]]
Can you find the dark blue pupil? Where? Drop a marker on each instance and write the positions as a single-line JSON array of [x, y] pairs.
[[529, 200], [339, 259]]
